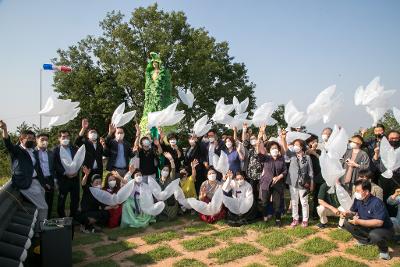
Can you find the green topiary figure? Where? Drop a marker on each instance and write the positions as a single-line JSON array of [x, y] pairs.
[[157, 91]]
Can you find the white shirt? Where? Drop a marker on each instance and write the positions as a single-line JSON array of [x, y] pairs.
[[211, 152], [95, 161], [44, 162]]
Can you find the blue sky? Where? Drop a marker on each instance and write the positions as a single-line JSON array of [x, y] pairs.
[[292, 49]]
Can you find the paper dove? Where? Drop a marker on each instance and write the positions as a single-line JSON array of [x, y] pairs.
[[343, 197], [113, 199], [222, 111], [187, 98], [238, 205], [293, 117], [166, 117], [63, 119], [58, 107], [119, 118], [221, 163], [211, 208], [201, 127], [262, 115], [240, 107], [168, 191], [390, 157], [72, 166]]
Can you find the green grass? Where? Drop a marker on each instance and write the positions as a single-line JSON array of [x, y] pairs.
[[199, 243], [189, 263], [396, 264], [318, 246], [366, 252], [151, 257], [78, 256], [261, 226], [230, 233], [108, 249], [274, 240], [198, 228], [288, 258], [340, 235], [86, 239], [255, 265], [234, 252], [164, 224], [300, 232], [115, 233], [155, 238], [102, 263], [341, 262]]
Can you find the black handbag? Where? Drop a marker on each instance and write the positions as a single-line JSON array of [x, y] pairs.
[[303, 180]]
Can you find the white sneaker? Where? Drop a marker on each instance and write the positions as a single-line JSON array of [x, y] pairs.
[[384, 256], [84, 230]]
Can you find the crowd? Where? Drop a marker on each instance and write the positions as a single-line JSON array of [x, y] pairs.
[[261, 169]]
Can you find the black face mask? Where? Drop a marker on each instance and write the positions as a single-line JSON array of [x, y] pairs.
[[378, 136], [29, 144], [395, 144]]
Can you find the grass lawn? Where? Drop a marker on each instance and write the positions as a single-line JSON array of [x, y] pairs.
[[341, 262], [275, 239], [366, 252], [108, 249], [85, 239], [189, 263], [102, 263], [198, 228], [230, 233], [287, 258], [318, 246], [234, 252], [155, 238], [199, 243], [157, 254], [340, 235], [114, 234], [299, 232], [78, 256]]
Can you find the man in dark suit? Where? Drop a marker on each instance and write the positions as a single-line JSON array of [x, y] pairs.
[[119, 151], [213, 147], [67, 182], [46, 168], [25, 169], [94, 150]]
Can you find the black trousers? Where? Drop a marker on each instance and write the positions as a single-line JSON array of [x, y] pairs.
[[389, 186], [314, 212], [49, 196], [376, 236], [276, 191], [100, 216], [68, 186]]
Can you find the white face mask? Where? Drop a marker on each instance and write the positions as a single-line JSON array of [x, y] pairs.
[[253, 142], [358, 196], [205, 140], [172, 142], [192, 142], [97, 186], [291, 148], [146, 142], [352, 145], [228, 144], [119, 136], [296, 149], [325, 137], [65, 142], [240, 182], [112, 183], [212, 177], [211, 139], [274, 152], [164, 173], [93, 136], [44, 144], [138, 179]]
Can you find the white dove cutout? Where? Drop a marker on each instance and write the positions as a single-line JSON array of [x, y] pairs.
[[240, 107], [168, 191], [343, 197], [166, 117], [374, 98], [187, 98], [238, 121], [396, 114], [293, 117], [336, 146], [390, 158], [221, 163], [119, 118], [146, 200], [212, 208], [201, 127], [180, 197], [238, 205], [324, 106], [222, 111], [293, 135], [63, 119], [262, 115], [113, 199], [72, 166], [58, 107]]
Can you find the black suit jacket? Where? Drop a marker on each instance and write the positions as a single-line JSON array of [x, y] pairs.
[[59, 171], [22, 167], [112, 148], [92, 154]]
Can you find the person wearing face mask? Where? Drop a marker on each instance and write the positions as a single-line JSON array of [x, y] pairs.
[[112, 186], [94, 150], [326, 133], [394, 200], [207, 191], [196, 151], [187, 182], [388, 185], [272, 180], [239, 189], [45, 156], [148, 154], [252, 165], [26, 169], [132, 213], [170, 144], [368, 221], [68, 183], [300, 179], [118, 150], [168, 173], [235, 154], [213, 147], [354, 160], [93, 214], [370, 145]]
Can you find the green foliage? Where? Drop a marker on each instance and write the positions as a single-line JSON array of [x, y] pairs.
[[199, 243], [317, 246], [288, 258], [341, 262], [108, 249], [234, 252]]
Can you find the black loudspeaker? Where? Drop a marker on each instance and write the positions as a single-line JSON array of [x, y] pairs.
[[56, 242]]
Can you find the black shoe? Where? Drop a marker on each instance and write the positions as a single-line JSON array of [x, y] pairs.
[[322, 225], [278, 223]]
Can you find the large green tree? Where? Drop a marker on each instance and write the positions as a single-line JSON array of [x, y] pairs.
[[109, 69]]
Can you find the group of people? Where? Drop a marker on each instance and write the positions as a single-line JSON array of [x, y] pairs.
[[260, 168]]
